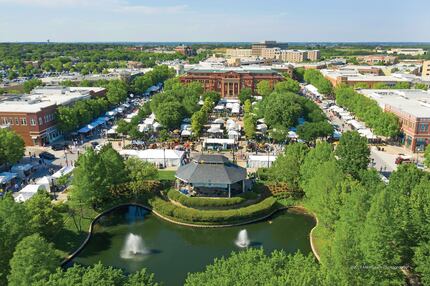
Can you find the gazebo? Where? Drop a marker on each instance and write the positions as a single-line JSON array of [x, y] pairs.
[[211, 176]]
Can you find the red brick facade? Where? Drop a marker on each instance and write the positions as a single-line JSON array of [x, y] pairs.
[[230, 83], [34, 128]]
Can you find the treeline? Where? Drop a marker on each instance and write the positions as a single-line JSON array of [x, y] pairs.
[[315, 78], [368, 232], [367, 110], [83, 58], [83, 112]]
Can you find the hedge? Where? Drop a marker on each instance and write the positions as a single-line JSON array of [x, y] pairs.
[[213, 216], [200, 202]]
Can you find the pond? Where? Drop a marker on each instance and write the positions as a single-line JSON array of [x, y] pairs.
[[132, 238]]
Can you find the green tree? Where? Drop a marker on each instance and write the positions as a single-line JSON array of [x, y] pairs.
[[420, 210], [325, 192], [139, 170], [45, 219], [282, 109], [33, 260], [353, 153], [29, 85], [420, 85], [117, 91], [123, 127], [170, 114], [13, 227], [89, 183], [213, 95], [286, 168], [322, 153], [245, 94], [427, 156], [422, 262], [259, 269], [264, 88], [12, 147], [287, 85], [310, 131], [383, 238], [198, 120], [114, 166]]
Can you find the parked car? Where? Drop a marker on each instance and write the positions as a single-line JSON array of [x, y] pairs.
[[58, 146], [47, 156]]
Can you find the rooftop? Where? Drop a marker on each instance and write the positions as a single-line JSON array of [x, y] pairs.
[[32, 103], [415, 102], [247, 69], [211, 169]]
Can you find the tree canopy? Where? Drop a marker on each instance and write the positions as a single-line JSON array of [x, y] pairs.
[[12, 147]]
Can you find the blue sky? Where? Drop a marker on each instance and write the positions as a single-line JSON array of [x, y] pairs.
[[214, 20]]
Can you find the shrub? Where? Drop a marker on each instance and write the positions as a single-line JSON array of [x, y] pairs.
[[213, 216], [199, 202]]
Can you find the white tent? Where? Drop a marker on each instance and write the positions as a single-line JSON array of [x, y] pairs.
[[233, 134], [159, 157], [219, 121], [260, 161], [186, 133], [262, 127], [63, 172], [45, 182], [292, 134], [164, 157], [357, 125], [26, 193]]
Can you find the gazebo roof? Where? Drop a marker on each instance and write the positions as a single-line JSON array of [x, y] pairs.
[[211, 169]]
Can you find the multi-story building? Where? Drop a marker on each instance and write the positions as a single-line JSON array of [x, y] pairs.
[[185, 50], [229, 81], [412, 107], [377, 59], [353, 77], [270, 53], [426, 70], [293, 56], [257, 47], [314, 55], [238, 53], [408, 51], [33, 116]]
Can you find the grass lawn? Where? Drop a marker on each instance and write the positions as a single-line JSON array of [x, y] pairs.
[[166, 175], [75, 230]]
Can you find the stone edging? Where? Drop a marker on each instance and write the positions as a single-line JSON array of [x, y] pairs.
[[90, 230]]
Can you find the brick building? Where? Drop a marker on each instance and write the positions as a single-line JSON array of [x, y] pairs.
[[33, 116], [412, 107], [229, 81], [185, 50]]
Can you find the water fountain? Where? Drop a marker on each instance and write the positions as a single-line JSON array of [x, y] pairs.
[[133, 247], [243, 239]]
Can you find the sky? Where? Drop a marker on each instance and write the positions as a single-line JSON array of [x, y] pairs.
[[214, 20]]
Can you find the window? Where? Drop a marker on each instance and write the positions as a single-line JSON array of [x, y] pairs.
[[10, 120], [423, 127], [23, 121], [16, 121], [40, 121], [32, 122]]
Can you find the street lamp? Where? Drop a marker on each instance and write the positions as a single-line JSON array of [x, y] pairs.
[[53, 188]]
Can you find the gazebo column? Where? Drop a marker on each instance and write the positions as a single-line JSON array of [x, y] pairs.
[[243, 186], [229, 190]]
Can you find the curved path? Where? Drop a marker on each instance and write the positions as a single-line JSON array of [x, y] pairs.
[[90, 230]]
